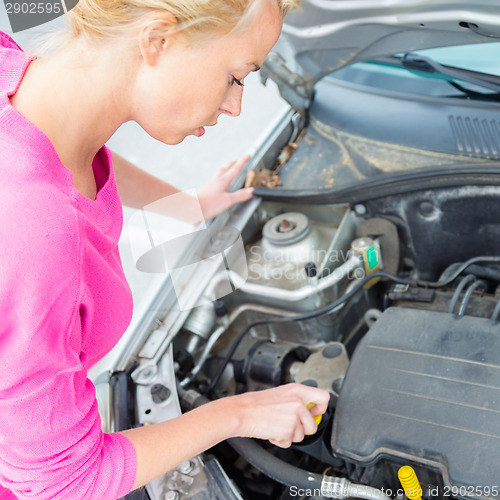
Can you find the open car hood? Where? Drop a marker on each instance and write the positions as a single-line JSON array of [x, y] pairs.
[[326, 35]]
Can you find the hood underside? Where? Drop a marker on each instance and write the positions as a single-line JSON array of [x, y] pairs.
[[326, 35]]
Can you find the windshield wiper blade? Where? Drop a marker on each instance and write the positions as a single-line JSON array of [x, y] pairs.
[[427, 65]]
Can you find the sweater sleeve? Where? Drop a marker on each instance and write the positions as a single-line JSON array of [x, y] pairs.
[[51, 443]]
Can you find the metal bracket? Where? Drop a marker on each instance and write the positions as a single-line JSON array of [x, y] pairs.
[[293, 88], [151, 353]]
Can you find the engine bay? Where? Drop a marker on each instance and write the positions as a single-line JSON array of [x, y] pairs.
[[411, 356], [390, 303]]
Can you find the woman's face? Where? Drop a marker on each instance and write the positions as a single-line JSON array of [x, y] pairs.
[[185, 86]]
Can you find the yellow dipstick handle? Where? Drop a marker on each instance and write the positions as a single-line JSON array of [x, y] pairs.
[[409, 482], [317, 418]]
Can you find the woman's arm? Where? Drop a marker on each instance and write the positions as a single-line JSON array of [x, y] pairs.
[[139, 189], [279, 415]]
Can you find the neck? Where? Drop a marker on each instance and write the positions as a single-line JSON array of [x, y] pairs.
[[78, 98]]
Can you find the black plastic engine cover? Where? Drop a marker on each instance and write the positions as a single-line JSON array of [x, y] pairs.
[[423, 387]]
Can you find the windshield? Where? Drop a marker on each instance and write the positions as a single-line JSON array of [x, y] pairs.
[[484, 58], [459, 65]]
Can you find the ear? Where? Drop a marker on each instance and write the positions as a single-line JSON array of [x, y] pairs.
[[154, 35]]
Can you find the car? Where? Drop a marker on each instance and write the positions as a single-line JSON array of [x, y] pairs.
[[367, 264]]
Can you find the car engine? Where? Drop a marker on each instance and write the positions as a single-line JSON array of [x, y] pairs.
[[390, 304], [411, 356], [421, 389]]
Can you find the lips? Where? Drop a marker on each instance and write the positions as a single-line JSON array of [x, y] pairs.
[[201, 130]]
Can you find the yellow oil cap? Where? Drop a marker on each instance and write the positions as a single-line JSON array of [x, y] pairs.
[[409, 482], [317, 418]]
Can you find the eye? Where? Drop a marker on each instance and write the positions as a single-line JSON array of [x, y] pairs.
[[238, 82]]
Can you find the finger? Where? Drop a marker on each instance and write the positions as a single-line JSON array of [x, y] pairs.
[[298, 434], [237, 167], [281, 444], [222, 170], [241, 195], [315, 413], [314, 409], [319, 397], [309, 425], [320, 404]]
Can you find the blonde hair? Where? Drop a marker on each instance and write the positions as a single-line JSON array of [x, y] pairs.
[[104, 19]]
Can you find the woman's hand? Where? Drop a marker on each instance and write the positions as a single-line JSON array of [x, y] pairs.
[[279, 415], [214, 198]]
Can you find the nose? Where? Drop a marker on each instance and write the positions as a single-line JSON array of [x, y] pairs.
[[231, 105]]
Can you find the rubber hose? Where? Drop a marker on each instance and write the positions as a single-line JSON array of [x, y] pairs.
[[468, 295], [273, 467], [496, 312], [463, 283]]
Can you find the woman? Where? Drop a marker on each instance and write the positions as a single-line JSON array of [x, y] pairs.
[[173, 66]]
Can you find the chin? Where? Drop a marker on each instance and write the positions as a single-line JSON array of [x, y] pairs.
[[173, 142], [170, 138]]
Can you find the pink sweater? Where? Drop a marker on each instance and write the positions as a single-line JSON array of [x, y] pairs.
[[64, 303]]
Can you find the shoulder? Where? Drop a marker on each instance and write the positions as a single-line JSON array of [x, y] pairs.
[[7, 42], [13, 63]]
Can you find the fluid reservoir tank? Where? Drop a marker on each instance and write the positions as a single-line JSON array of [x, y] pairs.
[[289, 242]]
